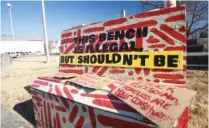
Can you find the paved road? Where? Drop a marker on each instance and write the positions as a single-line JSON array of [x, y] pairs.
[[11, 120]]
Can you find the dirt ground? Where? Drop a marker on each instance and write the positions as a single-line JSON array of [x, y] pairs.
[[16, 78]]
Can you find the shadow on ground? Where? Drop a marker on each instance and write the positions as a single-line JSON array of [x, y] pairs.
[[25, 109]]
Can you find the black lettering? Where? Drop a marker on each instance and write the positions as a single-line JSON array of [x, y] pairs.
[[91, 38], [159, 60], [62, 59], [172, 60], [130, 33], [113, 47], [101, 58], [124, 47], [116, 58], [145, 31], [127, 59], [79, 49], [86, 59], [110, 36], [143, 59], [102, 36], [108, 61], [79, 59], [105, 48], [119, 35], [138, 33], [93, 59], [75, 39]]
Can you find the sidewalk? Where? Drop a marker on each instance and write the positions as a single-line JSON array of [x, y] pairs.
[[11, 120]]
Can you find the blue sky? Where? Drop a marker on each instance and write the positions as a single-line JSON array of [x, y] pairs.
[[27, 16]]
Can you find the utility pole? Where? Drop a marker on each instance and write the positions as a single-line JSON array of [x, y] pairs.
[[123, 13], [10, 15], [46, 48]]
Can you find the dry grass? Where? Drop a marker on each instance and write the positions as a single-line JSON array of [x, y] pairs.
[[198, 81], [21, 74]]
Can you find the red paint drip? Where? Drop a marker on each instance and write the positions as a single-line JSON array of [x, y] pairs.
[[137, 70], [64, 119], [49, 113], [45, 112], [73, 114], [84, 109], [55, 123], [146, 71], [130, 73], [58, 120], [92, 117]]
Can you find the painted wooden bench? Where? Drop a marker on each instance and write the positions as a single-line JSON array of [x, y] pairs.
[[60, 103]]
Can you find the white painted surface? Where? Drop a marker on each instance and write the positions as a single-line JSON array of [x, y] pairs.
[[21, 46]]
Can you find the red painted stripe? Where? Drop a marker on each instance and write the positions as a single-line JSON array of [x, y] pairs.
[[182, 29], [146, 71], [73, 114], [61, 49], [83, 108], [74, 91], [59, 93], [112, 86], [45, 113], [102, 96], [130, 73], [108, 121], [38, 123], [49, 113], [39, 104], [162, 70], [69, 48], [92, 117], [115, 22], [117, 71], [63, 119], [137, 25], [139, 42], [35, 108], [35, 85], [68, 40], [177, 48], [38, 99], [169, 76], [173, 33], [40, 82], [33, 92], [60, 108], [42, 118], [65, 103], [55, 123], [152, 40], [86, 69], [102, 71], [50, 79], [137, 70], [55, 97], [95, 29], [160, 12], [80, 122], [66, 34], [157, 46], [175, 18], [72, 71], [58, 120], [50, 90], [112, 105], [174, 81], [163, 36], [67, 93], [95, 68]]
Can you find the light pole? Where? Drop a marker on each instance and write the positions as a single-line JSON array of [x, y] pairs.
[[46, 48], [10, 15]]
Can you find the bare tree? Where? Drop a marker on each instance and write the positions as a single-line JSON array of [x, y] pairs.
[[197, 13]]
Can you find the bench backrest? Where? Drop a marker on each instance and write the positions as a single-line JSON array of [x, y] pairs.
[[149, 46]]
